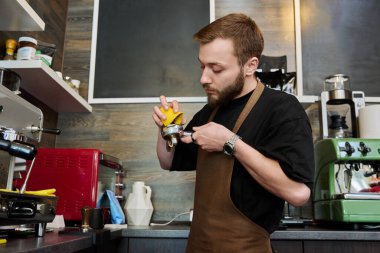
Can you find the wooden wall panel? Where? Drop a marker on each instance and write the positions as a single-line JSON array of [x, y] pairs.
[[54, 14], [275, 19], [128, 132]]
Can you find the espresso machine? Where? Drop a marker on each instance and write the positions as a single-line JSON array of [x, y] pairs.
[[340, 108], [347, 182], [20, 130], [347, 177]]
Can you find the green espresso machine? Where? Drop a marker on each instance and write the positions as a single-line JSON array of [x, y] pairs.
[[347, 188]]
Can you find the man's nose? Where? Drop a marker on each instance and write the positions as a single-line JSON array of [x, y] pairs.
[[205, 77]]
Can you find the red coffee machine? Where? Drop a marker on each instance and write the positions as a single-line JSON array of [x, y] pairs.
[[79, 176]]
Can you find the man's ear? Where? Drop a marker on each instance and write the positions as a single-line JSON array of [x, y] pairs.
[[251, 66]]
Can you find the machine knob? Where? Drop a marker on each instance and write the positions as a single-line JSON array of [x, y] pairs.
[[347, 148], [363, 148]]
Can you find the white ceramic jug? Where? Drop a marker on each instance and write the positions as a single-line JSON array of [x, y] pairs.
[[139, 208]]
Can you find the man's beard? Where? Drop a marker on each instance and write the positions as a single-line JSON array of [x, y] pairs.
[[228, 93]]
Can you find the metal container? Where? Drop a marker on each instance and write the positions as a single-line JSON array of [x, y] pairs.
[[337, 82]]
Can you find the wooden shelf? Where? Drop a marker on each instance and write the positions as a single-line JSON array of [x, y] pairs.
[[310, 99], [40, 81], [17, 15]]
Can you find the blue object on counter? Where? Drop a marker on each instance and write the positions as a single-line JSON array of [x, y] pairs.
[[117, 214]]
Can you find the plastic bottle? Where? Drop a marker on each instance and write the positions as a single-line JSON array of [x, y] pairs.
[[10, 45]]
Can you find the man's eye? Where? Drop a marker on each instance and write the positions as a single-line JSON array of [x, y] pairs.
[[217, 70]]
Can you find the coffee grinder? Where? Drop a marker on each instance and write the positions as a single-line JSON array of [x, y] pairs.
[[340, 107]]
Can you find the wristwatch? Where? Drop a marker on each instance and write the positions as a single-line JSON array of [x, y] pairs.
[[229, 146]]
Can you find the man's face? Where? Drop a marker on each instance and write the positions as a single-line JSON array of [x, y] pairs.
[[222, 76]]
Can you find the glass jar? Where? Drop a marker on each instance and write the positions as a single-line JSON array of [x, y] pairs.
[[27, 48]]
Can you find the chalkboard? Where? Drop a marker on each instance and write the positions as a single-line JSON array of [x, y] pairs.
[[341, 37], [143, 49]]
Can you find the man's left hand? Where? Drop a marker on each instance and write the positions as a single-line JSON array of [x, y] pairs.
[[210, 137]]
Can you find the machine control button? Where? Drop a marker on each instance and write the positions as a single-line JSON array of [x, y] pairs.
[[347, 148], [363, 148]]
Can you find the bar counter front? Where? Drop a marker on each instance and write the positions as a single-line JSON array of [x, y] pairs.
[[173, 239]]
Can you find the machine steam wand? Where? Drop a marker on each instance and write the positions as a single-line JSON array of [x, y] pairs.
[[22, 190]]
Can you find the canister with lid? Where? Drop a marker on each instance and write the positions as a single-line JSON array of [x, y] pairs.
[[27, 48]]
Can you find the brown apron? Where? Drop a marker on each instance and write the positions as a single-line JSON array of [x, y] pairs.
[[218, 226]]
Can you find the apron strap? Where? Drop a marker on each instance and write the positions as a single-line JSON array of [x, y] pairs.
[[248, 107]]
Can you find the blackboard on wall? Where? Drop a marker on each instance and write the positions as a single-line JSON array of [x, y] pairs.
[[341, 37], [144, 49]]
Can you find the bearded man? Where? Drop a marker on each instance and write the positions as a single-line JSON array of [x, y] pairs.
[[251, 146]]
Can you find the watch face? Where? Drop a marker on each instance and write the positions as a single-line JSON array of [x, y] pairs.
[[228, 149]]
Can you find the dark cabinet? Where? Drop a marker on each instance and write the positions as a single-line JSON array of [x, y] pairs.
[[173, 238], [178, 245], [167, 245], [287, 246], [156, 245], [341, 246]]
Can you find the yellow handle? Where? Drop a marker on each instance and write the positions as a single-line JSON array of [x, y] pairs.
[[46, 192]]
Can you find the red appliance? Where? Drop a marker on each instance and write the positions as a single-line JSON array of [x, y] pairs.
[[75, 174]]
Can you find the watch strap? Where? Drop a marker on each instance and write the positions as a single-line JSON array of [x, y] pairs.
[[231, 143], [233, 139]]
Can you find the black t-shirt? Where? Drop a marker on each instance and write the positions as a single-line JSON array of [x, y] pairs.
[[277, 127]]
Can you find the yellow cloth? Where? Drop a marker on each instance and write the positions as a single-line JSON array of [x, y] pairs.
[[46, 192], [171, 117]]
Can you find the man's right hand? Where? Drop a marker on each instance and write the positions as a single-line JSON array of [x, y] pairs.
[[159, 116], [165, 158]]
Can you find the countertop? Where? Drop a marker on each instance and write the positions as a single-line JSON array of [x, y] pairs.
[[72, 240], [58, 241], [293, 233]]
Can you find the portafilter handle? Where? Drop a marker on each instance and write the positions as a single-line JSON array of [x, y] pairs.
[[19, 149], [34, 129], [51, 131]]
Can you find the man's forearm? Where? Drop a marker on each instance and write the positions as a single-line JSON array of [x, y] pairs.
[[268, 173], [165, 157]]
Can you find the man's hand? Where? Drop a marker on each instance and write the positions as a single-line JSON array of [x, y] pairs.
[[159, 116], [210, 137]]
